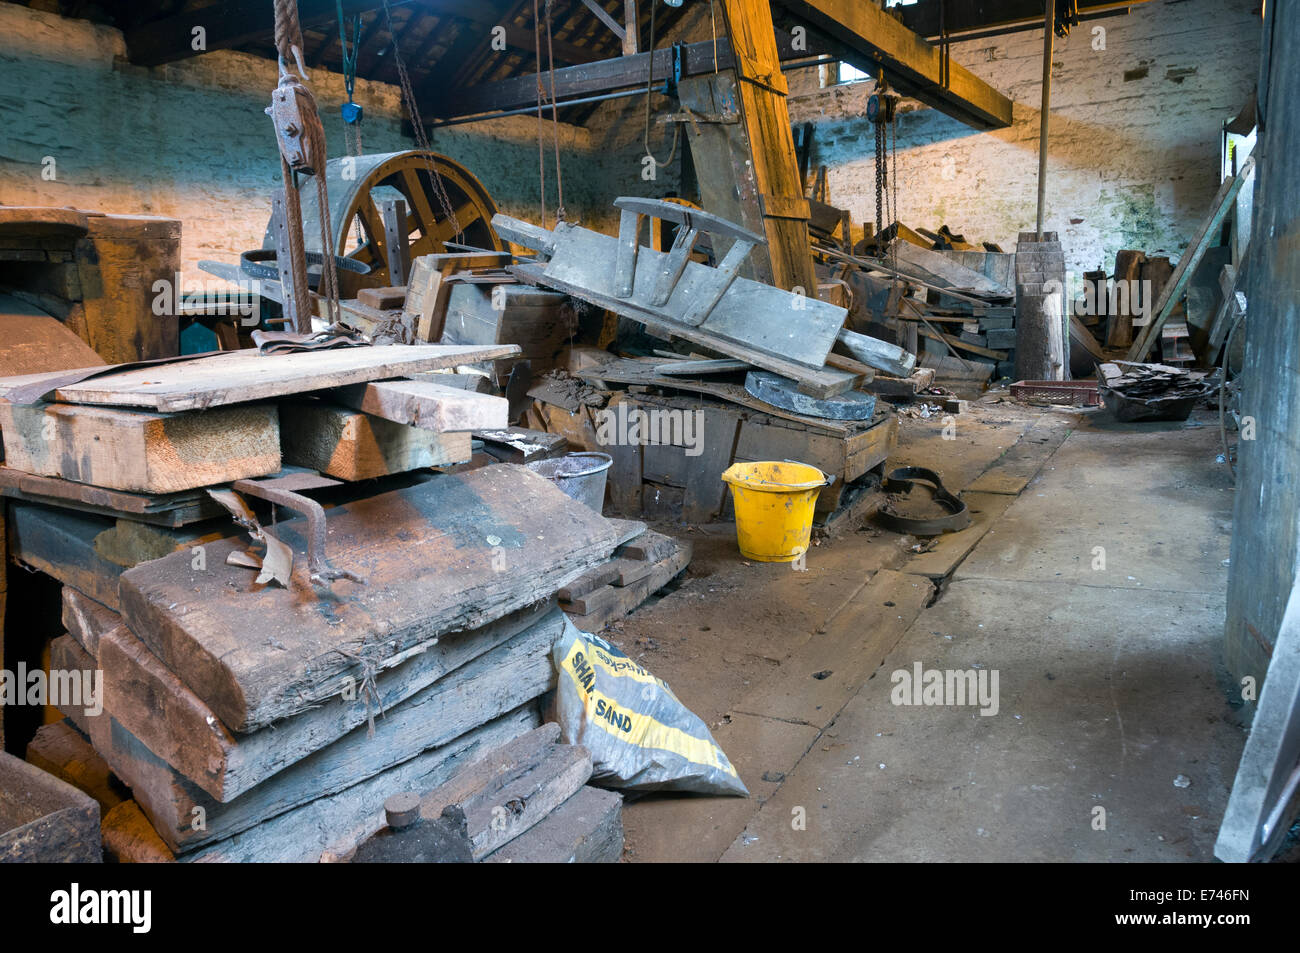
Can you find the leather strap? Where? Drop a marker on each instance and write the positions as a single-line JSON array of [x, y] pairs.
[[902, 480]]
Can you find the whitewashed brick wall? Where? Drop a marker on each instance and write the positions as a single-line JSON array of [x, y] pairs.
[[1134, 142], [189, 140]]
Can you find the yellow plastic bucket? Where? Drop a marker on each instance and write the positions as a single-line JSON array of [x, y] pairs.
[[774, 508]]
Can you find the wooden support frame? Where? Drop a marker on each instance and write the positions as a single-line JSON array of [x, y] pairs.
[[604, 17], [767, 145]]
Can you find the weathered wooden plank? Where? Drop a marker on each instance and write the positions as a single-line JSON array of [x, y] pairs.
[[939, 270], [390, 298], [585, 829], [649, 546], [1177, 284], [529, 777], [625, 371], [705, 492], [516, 802], [163, 509], [64, 752], [141, 451], [628, 597], [486, 688], [129, 838], [332, 826], [752, 322], [169, 719], [89, 552], [875, 39], [236, 377], [86, 620], [594, 578], [427, 405], [351, 445], [119, 263], [520, 445], [43, 819], [452, 553], [1128, 268]]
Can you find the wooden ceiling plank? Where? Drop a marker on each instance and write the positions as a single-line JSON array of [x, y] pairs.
[[234, 23]]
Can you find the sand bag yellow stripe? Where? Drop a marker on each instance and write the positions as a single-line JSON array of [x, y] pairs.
[[641, 737]]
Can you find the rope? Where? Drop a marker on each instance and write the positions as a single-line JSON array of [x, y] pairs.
[[649, 90], [421, 139], [541, 114], [288, 34], [555, 119], [541, 149], [288, 44], [352, 117]]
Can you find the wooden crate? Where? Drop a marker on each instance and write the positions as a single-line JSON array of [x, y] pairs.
[[539, 321], [645, 478]]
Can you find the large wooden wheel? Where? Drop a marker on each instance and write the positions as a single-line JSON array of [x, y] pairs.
[[357, 187]]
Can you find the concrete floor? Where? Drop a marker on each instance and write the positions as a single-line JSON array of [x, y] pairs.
[[1110, 680]]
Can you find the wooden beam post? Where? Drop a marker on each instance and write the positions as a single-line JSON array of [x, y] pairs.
[[1049, 24], [631, 30], [778, 187]]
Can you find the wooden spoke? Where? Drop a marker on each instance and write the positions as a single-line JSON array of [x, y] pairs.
[[350, 194]]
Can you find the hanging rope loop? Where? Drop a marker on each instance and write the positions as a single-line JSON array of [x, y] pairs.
[[300, 137]]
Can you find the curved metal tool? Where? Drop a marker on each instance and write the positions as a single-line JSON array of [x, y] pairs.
[[902, 480], [281, 492], [252, 263]]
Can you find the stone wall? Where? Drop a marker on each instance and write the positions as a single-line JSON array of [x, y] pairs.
[[80, 126], [1137, 111]]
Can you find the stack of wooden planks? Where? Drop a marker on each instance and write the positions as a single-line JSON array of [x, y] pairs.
[[525, 802], [249, 721], [954, 309]]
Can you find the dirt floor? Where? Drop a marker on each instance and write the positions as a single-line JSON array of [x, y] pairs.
[[1091, 582]]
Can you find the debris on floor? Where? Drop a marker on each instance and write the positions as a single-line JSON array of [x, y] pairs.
[[1137, 392]]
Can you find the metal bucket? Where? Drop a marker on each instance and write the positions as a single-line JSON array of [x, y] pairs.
[[580, 475]]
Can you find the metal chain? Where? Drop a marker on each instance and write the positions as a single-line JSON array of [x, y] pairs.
[[880, 179], [421, 139]]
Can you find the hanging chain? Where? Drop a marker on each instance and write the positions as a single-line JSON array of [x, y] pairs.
[[880, 179], [352, 114], [421, 138]]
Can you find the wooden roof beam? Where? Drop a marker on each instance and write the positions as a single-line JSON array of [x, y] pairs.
[[965, 16], [234, 23], [873, 40]]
